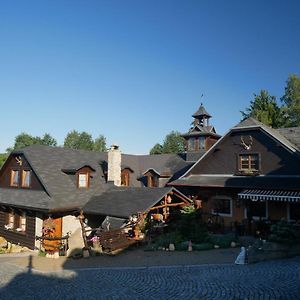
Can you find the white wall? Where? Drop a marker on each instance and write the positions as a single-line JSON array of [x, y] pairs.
[[38, 231], [69, 225]]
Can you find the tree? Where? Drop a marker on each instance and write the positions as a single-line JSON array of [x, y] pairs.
[[157, 149], [76, 140], [264, 108], [291, 101], [3, 157], [24, 140], [100, 144], [48, 140], [173, 143]]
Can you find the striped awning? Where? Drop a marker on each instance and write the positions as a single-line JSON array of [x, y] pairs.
[[270, 195]]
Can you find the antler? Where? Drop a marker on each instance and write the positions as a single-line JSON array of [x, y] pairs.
[[247, 147]]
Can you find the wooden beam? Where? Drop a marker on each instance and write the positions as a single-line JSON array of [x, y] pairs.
[[168, 205]]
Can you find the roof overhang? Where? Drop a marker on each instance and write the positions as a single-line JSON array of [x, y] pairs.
[[270, 195]]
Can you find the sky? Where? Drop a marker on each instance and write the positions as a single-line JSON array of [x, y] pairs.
[[135, 70]]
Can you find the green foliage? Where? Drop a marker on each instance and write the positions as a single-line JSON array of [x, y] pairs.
[[264, 108], [76, 140], [3, 157], [24, 140], [291, 101], [48, 140], [165, 239], [222, 240], [283, 232], [203, 246], [100, 144], [157, 149], [189, 226], [173, 143], [84, 141]]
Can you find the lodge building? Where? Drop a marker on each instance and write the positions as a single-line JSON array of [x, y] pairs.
[[250, 173]]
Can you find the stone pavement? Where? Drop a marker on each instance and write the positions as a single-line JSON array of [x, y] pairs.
[[278, 279]]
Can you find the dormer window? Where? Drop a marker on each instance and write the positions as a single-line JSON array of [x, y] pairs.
[[152, 180], [25, 178], [83, 180], [248, 162], [14, 178], [125, 177]]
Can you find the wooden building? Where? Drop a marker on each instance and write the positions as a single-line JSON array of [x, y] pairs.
[[251, 173]]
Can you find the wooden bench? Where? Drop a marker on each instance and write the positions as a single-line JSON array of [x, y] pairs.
[[113, 240]]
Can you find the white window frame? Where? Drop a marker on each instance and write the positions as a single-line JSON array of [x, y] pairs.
[[86, 180], [223, 198]]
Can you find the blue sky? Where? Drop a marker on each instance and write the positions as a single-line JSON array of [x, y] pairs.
[[135, 70]]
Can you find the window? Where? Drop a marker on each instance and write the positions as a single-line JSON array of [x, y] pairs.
[[22, 225], [257, 210], [83, 180], [192, 144], [201, 142], [14, 178], [10, 221], [152, 180], [125, 176], [25, 178], [294, 211], [222, 206], [248, 162], [16, 222]]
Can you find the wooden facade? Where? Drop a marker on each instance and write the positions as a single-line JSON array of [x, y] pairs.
[[26, 238], [20, 164]]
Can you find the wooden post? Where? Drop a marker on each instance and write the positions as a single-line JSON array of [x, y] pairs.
[[81, 218]]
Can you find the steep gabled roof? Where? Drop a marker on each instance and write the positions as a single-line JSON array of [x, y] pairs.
[[249, 123]]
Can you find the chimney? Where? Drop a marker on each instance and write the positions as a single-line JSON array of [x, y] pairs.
[[114, 165]]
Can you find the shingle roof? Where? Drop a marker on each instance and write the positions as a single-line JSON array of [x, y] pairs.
[[201, 112], [51, 164], [292, 134], [229, 181], [277, 134], [123, 202]]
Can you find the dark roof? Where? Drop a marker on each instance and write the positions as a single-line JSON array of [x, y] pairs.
[[251, 182], [51, 165], [292, 134], [163, 164], [123, 202], [201, 112], [285, 139]]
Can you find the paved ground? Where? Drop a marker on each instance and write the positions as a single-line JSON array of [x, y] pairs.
[[268, 280]]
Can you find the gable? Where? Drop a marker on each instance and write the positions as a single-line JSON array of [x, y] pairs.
[[274, 158], [19, 163]]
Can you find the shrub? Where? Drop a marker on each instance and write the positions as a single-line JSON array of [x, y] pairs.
[[283, 232], [223, 241], [203, 246]]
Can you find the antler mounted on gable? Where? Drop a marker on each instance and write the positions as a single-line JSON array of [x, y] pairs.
[[248, 145]]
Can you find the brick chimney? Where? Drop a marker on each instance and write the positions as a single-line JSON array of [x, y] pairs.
[[114, 165]]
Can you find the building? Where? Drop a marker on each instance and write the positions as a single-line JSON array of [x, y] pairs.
[[251, 173]]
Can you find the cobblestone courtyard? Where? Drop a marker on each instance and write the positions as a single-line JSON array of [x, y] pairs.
[[268, 280]]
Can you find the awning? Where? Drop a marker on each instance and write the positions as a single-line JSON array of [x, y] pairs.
[[270, 195]]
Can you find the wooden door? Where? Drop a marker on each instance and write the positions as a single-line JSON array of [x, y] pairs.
[[52, 228]]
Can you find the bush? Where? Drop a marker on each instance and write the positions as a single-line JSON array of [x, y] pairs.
[[283, 232], [164, 240], [203, 246], [223, 241]]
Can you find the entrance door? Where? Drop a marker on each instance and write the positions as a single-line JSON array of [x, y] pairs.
[[52, 228]]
